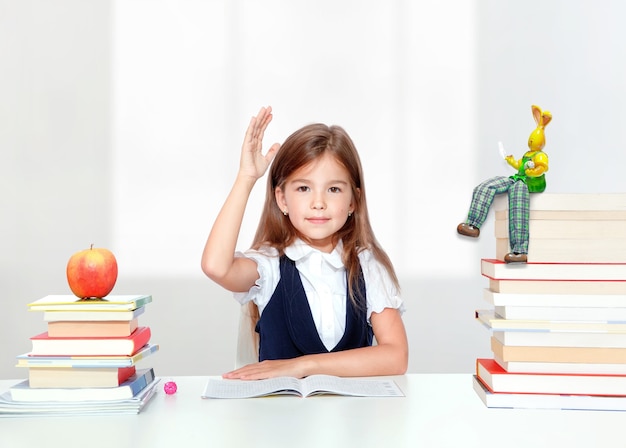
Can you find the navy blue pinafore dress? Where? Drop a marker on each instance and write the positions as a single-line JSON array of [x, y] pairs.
[[286, 327]]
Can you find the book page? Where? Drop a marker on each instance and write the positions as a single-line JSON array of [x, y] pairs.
[[355, 387], [217, 388]]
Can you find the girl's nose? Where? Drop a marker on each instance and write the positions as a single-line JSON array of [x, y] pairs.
[[318, 202]]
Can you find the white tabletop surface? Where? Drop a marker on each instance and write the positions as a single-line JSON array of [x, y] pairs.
[[439, 410]]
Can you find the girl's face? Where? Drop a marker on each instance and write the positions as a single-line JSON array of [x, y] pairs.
[[318, 198]]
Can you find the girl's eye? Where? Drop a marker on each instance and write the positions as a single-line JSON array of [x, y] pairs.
[[334, 190], [302, 188]]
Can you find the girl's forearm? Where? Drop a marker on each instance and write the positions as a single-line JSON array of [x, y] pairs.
[[378, 360], [366, 361], [219, 250]]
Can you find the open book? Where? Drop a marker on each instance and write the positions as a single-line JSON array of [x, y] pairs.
[[311, 385]]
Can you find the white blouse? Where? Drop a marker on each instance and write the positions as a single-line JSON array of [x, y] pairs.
[[324, 280]]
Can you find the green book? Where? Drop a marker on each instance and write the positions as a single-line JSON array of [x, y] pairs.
[[70, 302]]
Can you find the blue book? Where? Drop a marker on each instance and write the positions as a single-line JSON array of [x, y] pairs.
[[127, 390]]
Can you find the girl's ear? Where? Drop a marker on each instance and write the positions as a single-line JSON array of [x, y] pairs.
[[280, 199], [356, 199]]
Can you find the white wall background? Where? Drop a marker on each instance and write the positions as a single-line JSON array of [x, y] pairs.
[[121, 123]]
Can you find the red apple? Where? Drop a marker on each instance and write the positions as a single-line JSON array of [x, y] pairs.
[[92, 272]]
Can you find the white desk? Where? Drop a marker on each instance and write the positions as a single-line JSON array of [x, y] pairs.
[[439, 410]]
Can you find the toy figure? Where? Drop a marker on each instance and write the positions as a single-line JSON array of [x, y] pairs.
[[530, 178]]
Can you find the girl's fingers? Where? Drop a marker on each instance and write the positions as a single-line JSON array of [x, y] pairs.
[[251, 130], [271, 153], [256, 128], [263, 127]]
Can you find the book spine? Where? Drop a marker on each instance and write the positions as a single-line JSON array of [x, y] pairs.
[[150, 349], [142, 382]]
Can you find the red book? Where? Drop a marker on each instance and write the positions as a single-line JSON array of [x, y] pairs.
[[39, 377], [100, 346], [492, 375]]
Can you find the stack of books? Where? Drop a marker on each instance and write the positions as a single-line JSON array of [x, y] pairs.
[[558, 322], [86, 361]]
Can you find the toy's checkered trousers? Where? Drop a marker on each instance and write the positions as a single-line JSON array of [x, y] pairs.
[[519, 208]]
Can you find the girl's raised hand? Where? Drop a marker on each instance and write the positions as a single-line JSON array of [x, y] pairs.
[[253, 162]]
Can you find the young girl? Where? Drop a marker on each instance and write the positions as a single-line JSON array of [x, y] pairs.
[[322, 284]]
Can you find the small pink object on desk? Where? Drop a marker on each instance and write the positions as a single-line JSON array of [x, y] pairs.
[[170, 387]]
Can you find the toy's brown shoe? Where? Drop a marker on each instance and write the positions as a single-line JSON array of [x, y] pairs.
[[468, 230], [515, 258]]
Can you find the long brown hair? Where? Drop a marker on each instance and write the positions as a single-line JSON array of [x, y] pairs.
[[300, 148]]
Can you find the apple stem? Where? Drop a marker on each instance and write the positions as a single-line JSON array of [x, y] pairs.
[[91, 247]]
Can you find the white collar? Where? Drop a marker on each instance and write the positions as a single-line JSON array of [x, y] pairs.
[[300, 250]]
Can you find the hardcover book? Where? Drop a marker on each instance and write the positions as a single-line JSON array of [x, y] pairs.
[[582, 250], [93, 329], [121, 346], [562, 313], [560, 339], [492, 375], [572, 301], [563, 229], [86, 361], [41, 377], [569, 215], [547, 401], [497, 323], [528, 286], [570, 202], [92, 315], [500, 270], [582, 368], [549, 354]]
